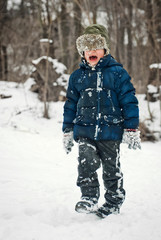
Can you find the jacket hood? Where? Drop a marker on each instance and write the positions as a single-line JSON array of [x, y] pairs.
[[107, 61]]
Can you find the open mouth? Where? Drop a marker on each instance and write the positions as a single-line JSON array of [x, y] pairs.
[[93, 58]]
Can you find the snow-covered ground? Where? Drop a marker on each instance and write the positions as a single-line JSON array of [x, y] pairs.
[[38, 188]]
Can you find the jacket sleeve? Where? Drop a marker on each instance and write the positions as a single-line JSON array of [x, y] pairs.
[[70, 106], [128, 101]]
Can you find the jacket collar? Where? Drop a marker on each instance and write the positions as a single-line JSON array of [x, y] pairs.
[[106, 61]]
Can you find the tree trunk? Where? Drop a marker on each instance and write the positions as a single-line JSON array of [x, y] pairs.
[[77, 28], [65, 31], [149, 16], [3, 47], [122, 31], [158, 29], [129, 33], [116, 24]]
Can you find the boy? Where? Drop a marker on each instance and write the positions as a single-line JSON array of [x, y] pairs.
[[101, 111]]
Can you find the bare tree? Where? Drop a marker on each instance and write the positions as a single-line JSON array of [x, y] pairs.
[[3, 47], [64, 31], [77, 28], [130, 40]]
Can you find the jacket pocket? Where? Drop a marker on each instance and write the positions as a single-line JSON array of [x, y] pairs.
[[84, 121], [110, 100], [77, 119], [112, 120]]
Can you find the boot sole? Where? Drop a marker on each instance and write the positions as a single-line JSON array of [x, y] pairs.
[[103, 215]]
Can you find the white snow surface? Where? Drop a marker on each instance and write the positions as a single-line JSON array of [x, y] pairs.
[[152, 89], [38, 189], [155, 65], [60, 68], [46, 40]]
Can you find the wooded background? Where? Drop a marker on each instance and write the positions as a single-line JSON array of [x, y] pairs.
[[134, 29]]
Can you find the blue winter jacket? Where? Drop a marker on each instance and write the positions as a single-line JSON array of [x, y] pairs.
[[101, 101]]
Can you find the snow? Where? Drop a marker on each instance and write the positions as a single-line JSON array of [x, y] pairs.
[[62, 80], [59, 67], [38, 189], [46, 40], [154, 126], [155, 65], [152, 89], [13, 4], [23, 69]]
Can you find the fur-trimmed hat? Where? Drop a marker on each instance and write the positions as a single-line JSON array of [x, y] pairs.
[[94, 37]]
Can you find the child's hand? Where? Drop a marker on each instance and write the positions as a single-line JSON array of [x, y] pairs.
[[68, 141], [132, 138]]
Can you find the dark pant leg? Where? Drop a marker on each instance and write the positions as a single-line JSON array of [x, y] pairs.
[[89, 162], [112, 175]]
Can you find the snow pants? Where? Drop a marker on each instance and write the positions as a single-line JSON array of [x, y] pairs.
[[91, 155]]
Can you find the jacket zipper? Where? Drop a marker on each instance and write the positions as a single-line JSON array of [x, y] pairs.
[[99, 89], [110, 98]]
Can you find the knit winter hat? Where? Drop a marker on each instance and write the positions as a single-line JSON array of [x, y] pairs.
[[94, 37]]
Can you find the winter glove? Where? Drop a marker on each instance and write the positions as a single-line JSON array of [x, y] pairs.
[[132, 138], [68, 141]]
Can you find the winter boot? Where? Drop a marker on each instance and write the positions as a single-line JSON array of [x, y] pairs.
[[86, 205], [105, 211]]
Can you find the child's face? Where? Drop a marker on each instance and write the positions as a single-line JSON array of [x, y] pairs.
[[93, 56]]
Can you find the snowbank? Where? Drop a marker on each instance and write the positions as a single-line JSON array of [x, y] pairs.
[[155, 65], [60, 68]]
